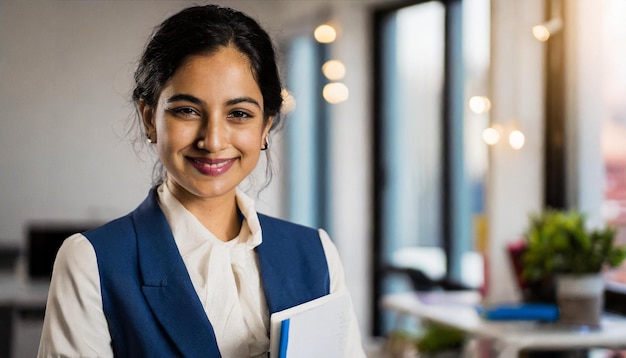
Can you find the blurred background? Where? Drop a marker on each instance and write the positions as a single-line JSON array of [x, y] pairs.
[[419, 134]]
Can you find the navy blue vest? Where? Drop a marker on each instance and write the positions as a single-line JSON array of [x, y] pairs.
[[149, 301]]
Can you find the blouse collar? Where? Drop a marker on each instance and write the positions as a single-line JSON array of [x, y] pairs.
[[189, 232]]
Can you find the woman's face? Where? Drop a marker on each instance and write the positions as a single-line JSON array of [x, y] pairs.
[[208, 125]]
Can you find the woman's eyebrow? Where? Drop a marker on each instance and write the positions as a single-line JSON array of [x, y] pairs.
[[185, 97], [234, 101], [196, 100]]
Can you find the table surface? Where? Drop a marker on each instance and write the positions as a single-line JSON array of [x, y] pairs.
[[458, 309]]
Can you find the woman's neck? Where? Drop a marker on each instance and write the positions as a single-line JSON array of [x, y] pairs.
[[219, 215]]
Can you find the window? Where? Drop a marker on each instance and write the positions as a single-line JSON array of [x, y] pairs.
[[614, 131], [614, 123], [430, 161]]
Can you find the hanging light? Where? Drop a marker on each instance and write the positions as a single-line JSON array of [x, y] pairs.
[[491, 135], [543, 31], [335, 92], [325, 34], [334, 70], [479, 104], [517, 139]]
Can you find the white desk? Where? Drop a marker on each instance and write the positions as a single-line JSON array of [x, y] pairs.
[[457, 309]]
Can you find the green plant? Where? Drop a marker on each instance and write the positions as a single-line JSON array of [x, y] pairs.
[[438, 338], [557, 242]]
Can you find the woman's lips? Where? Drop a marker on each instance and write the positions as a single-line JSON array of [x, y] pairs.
[[212, 167]]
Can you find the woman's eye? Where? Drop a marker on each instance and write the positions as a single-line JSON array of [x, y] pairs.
[[239, 114], [184, 111]]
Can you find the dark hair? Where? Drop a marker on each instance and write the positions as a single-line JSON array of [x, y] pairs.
[[203, 30]]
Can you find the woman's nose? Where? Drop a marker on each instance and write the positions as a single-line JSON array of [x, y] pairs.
[[215, 136]]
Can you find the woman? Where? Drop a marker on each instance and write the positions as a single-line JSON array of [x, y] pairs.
[[194, 271]]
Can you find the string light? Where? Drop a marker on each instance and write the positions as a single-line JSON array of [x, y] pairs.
[[492, 135]]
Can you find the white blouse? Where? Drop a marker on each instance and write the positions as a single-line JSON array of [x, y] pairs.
[[75, 325]]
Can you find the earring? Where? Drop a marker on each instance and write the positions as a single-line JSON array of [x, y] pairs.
[[267, 143], [148, 139]]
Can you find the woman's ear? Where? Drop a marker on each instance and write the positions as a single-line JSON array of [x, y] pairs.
[[147, 117], [265, 140], [268, 126]]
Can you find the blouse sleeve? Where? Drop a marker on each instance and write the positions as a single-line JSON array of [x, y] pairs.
[[74, 323], [338, 284]]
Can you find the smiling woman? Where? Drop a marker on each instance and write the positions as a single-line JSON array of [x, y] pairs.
[[194, 271], [209, 128]]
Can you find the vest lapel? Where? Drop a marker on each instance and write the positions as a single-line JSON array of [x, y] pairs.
[[167, 286], [292, 263]]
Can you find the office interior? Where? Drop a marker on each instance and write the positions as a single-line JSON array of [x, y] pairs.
[[420, 135]]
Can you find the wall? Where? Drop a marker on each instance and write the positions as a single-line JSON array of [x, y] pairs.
[[586, 107], [352, 152], [514, 184], [65, 78]]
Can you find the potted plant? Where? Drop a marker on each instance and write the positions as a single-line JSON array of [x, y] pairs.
[[439, 341], [559, 246], [435, 341]]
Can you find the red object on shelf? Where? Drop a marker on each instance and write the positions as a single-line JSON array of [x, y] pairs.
[[516, 251]]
